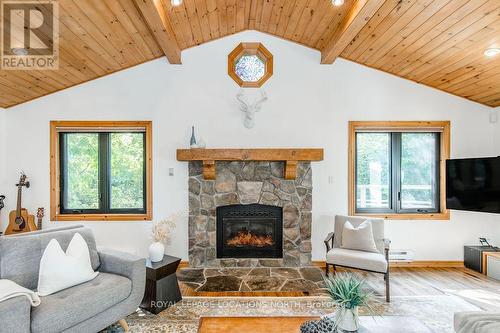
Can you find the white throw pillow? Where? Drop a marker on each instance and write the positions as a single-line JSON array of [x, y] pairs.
[[360, 238], [59, 270]]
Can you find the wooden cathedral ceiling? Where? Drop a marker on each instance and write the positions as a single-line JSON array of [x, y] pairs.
[[439, 43]]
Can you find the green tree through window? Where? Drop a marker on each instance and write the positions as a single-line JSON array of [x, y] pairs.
[[103, 172], [397, 172]]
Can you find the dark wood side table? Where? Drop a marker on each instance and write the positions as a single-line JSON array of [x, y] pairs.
[[162, 289]]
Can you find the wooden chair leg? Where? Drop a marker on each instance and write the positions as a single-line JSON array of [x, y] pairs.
[[387, 290], [334, 269], [327, 270], [123, 324]]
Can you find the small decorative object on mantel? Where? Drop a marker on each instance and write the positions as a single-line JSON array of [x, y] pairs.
[[161, 233], [192, 142], [250, 108], [346, 291]]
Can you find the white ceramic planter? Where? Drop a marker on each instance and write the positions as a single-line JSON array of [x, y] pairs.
[[156, 251], [348, 320]]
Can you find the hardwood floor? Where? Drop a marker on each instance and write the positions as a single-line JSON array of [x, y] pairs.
[[404, 282]]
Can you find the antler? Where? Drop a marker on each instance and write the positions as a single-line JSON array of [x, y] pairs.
[[261, 100], [244, 105]]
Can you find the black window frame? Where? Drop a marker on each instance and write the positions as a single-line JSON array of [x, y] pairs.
[[104, 190], [395, 152]]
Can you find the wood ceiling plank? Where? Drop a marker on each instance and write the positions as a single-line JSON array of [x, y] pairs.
[[213, 18], [378, 48], [295, 18], [275, 16], [222, 13], [73, 18], [252, 14], [359, 14], [15, 86], [324, 9], [462, 44], [431, 27], [305, 19], [192, 16], [416, 27], [129, 27], [185, 26], [285, 15], [466, 81], [267, 9], [136, 18], [157, 20], [241, 7], [469, 66], [391, 8], [176, 25], [202, 12], [96, 11], [478, 86], [329, 24], [231, 16], [258, 14], [447, 37]]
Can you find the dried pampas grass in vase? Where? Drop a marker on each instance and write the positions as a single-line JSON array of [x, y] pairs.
[[161, 234]]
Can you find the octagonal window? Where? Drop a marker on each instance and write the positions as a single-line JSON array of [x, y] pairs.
[[250, 68], [250, 64]]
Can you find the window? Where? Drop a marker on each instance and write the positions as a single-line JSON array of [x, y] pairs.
[[397, 169], [250, 64], [101, 170]]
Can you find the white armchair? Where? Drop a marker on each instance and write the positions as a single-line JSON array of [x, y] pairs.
[[366, 261]]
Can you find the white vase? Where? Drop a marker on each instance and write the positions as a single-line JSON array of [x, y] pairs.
[[348, 320], [156, 251]]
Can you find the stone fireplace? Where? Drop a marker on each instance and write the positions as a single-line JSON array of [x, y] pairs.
[[250, 215]]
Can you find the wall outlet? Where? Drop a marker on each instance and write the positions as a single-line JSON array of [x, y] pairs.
[[330, 179], [170, 172]]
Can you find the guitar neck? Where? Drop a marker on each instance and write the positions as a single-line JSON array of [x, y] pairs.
[[18, 208], [39, 223]]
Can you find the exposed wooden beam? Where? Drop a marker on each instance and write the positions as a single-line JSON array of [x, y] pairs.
[[157, 20], [357, 17]]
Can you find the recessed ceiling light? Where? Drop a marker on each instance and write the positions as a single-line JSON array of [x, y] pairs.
[[491, 52], [337, 2], [20, 51], [176, 2]]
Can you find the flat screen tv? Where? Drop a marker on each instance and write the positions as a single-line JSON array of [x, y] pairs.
[[473, 184]]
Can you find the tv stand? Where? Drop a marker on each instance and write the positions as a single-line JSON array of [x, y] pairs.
[[473, 256]]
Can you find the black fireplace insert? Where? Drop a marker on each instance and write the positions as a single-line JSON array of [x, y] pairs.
[[249, 231]]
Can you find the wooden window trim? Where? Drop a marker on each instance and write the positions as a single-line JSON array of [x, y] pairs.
[[55, 215], [444, 127], [253, 49]]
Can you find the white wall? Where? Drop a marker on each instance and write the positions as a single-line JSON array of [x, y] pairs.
[[309, 106]]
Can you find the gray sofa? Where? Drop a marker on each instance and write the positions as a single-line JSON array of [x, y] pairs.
[[89, 307]]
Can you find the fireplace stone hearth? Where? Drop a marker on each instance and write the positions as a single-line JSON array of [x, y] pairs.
[[244, 183]]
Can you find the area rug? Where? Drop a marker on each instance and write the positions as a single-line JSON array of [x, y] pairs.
[[309, 280], [436, 312]]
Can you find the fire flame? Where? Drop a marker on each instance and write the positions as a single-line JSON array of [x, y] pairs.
[[246, 238]]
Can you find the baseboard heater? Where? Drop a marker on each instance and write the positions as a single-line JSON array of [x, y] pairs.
[[401, 255]]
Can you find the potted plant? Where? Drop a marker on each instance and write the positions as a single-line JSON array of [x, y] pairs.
[[161, 232], [348, 294]]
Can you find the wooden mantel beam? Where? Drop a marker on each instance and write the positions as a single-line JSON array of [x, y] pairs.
[[288, 155], [357, 17], [157, 20]]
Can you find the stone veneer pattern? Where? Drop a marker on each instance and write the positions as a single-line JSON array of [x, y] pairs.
[[247, 183]]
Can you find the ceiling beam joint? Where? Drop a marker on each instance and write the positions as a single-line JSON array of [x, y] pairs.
[[158, 23], [356, 18]]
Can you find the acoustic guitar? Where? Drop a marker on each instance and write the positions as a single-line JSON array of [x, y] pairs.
[[19, 219]]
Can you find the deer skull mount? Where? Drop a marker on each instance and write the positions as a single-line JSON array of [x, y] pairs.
[[250, 108]]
